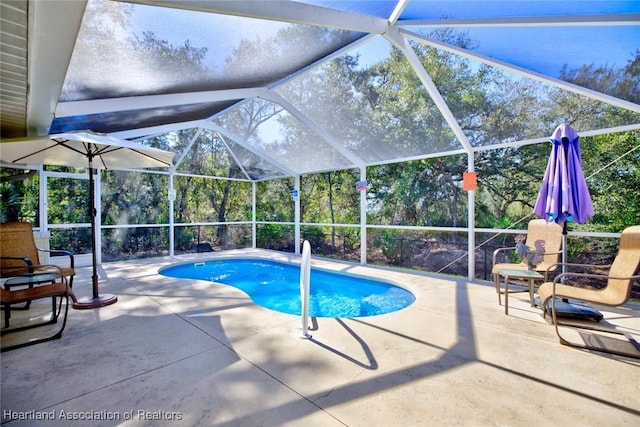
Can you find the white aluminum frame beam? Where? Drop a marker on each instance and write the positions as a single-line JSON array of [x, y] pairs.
[[156, 130], [53, 29], [521, 143], [186, 150], [333, 142], [258, 152], [401, 43], [528, 21], [279, 10], [109, 105], [234, 157], [599, 96], [397, 11]]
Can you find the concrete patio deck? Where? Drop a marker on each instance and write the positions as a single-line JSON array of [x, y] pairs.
[[178, 352]]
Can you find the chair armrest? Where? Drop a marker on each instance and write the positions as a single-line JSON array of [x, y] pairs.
[[7, 271], [497, 252], [57, 252], [552, 253], [26, 260], [15, 274], [595, 276], [555, 266], [562, 276]]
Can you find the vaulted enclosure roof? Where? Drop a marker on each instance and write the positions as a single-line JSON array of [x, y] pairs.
[[281, 88]]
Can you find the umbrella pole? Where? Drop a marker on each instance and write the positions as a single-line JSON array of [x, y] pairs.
[[564, 248], [93, 212], [96, 300], [564, 253]]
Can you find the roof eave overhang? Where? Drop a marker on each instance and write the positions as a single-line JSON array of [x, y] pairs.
[[53, 29]]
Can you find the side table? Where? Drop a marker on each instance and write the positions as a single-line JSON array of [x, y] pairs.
[[530, 276]]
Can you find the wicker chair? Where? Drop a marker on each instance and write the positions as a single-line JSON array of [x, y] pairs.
[[19, 254], [539, 232], [619, 281]]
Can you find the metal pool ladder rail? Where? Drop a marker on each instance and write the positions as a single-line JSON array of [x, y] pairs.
[[305, 279]]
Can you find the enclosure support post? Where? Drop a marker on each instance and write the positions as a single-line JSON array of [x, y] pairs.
[[44, 200], [172, 198], [471, 221], [254, 231], [363, 218], [296, 202]]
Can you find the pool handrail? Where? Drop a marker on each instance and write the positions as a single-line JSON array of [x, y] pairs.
[[305, 283]]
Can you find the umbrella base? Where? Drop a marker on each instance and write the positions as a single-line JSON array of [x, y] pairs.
[[90, 302]]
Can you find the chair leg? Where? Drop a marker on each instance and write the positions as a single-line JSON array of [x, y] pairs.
[[496, 280], [7, 314], [586, 346], [54, 319], [7, 311], [632, 340], [71, 294], [547, 311]]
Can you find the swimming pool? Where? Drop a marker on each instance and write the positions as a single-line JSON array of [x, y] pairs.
[[276, 286]]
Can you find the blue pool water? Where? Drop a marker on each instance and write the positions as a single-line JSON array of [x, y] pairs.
[[276, 286]]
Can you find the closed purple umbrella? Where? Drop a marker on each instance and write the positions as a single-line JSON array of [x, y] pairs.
[[564, 195]]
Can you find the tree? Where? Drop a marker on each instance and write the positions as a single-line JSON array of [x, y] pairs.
[[19, 195], [612, 166]]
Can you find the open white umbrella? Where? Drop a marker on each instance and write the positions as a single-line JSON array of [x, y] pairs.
[[85, 149]]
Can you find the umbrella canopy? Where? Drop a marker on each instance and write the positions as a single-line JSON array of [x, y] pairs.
[[564, 195], [78, 148], [85, 149]]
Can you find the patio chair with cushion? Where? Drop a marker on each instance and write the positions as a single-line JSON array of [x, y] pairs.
[[619, 280], [540, 233], [19, 254]]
